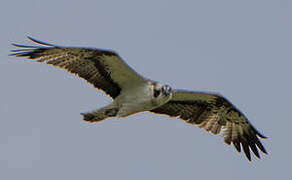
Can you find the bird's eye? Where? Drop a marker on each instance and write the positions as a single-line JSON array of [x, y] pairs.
[[156, 92], [166, 90]]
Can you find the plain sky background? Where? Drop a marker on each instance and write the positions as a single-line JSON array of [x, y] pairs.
[[241, 49]]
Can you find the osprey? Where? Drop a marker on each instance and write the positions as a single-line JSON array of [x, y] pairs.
[[132, 93]]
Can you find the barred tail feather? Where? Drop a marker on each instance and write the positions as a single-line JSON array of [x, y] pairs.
[[100, 114]]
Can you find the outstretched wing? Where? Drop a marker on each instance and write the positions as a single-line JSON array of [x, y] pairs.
[[103, 69], [213, 113]]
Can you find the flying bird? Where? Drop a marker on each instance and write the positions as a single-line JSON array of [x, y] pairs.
[[133, 93]]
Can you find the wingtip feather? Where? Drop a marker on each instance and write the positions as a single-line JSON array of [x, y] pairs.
[[255, 150], [22, 46], [237, 146], [246, 151], [39, 42]]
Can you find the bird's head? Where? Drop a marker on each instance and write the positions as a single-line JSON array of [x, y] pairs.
[[161, 93]]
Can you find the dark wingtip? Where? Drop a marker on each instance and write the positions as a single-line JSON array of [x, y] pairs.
[[255, 150], [27, 50], [258, 133], [246, 151], [20, 50], [237, 146], [22, 46], [14, 54], [261, 147], [261, 135], [39, 42]]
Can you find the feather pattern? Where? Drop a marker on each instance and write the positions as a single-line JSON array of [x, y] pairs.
[[106, 70], [103, 69], [213, 112]]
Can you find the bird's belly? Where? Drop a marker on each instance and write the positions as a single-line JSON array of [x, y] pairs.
[[130, 108], [135, 99]]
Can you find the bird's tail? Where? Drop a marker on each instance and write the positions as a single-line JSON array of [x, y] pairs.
[[100, 114]]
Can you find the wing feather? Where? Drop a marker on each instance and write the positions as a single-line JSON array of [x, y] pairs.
[[214, 113], [103, 69]]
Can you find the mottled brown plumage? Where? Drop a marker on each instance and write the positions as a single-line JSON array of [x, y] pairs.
[[213, 113], [91, 64], [132, 93]]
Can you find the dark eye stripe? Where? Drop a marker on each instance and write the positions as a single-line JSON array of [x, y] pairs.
[[156, 93]]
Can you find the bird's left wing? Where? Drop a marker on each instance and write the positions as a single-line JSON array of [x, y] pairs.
[[103, 69], [213, 113]]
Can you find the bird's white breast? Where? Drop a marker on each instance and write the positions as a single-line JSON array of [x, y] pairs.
[[135, 99]]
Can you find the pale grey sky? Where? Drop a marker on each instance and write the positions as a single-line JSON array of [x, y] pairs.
[[241, 49]]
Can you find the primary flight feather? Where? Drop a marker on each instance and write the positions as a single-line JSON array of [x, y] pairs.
[[133, 93]]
